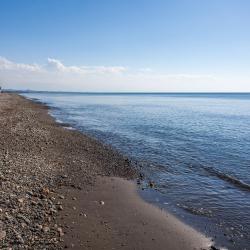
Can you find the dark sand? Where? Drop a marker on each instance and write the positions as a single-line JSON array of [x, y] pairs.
[[61, 188]]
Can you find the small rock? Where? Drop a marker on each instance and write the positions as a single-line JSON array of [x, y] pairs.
[[25, 219], [151, 184], [101, 202], [45, 191], [2, 234], [40, 227], [30, 193], [33, 203], [19, 239], [214, 248], [60, 231], [52, 211], [60, 207], [20, 200], [61, 197], [46, 229]]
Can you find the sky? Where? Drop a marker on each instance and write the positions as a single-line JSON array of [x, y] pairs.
[[130, 45]]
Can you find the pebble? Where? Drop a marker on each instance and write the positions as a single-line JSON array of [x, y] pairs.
[[24, 218], [45, 191], [20, 200], [33, 203], [60, 231], [19, 239], [60, 207], [2, 234], [46, 229]]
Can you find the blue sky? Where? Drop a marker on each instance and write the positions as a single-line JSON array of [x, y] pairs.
[[112, 45]]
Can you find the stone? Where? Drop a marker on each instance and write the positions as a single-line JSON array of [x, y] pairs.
[[45, 191], [46, 229], [20, 200], [151, 184], [19, 239], [25, 219], [60, 231], [60, 207], [2, 234]]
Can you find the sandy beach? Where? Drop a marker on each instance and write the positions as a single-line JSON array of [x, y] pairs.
[[62, 189]]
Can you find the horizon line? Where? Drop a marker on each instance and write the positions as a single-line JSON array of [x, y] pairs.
[[118, 92]]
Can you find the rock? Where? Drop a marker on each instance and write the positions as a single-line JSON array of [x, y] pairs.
[[30, 193], [60, 231], [19, 239], [45, 191], [214, 248], [60, 207], [23, 225], [2, 234], [20, 200], [46, 229], [52, 211], [101, 203], [61, 197], [40, 227], [25, 219], [33, 203], [151, 184]]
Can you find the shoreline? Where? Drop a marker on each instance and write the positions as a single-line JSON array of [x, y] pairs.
[[66, 188]]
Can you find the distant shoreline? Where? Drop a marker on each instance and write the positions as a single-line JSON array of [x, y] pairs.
[[124, 92]]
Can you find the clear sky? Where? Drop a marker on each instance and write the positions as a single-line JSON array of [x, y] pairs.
[[130, 45]]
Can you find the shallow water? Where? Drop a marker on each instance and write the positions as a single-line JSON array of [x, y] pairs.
[[195, 147]]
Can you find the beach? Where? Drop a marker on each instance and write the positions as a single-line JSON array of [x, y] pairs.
[[64, 189]]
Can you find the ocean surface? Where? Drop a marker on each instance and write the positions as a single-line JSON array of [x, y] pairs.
[[194, 147]]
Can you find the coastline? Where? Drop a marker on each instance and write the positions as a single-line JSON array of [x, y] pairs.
[[71, 191]]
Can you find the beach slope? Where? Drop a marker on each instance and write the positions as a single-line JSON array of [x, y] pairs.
[[63, 189]]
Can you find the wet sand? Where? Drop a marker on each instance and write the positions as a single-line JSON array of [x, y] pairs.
[[63, 189]]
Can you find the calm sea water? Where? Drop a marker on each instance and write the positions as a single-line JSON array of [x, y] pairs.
[[195, 147]]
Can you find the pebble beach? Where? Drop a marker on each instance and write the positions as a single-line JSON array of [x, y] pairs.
[[62, 189]]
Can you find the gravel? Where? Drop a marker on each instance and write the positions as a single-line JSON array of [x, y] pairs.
[[37, 157]]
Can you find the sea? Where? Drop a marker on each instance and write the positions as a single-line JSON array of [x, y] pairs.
[[194, 147]]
